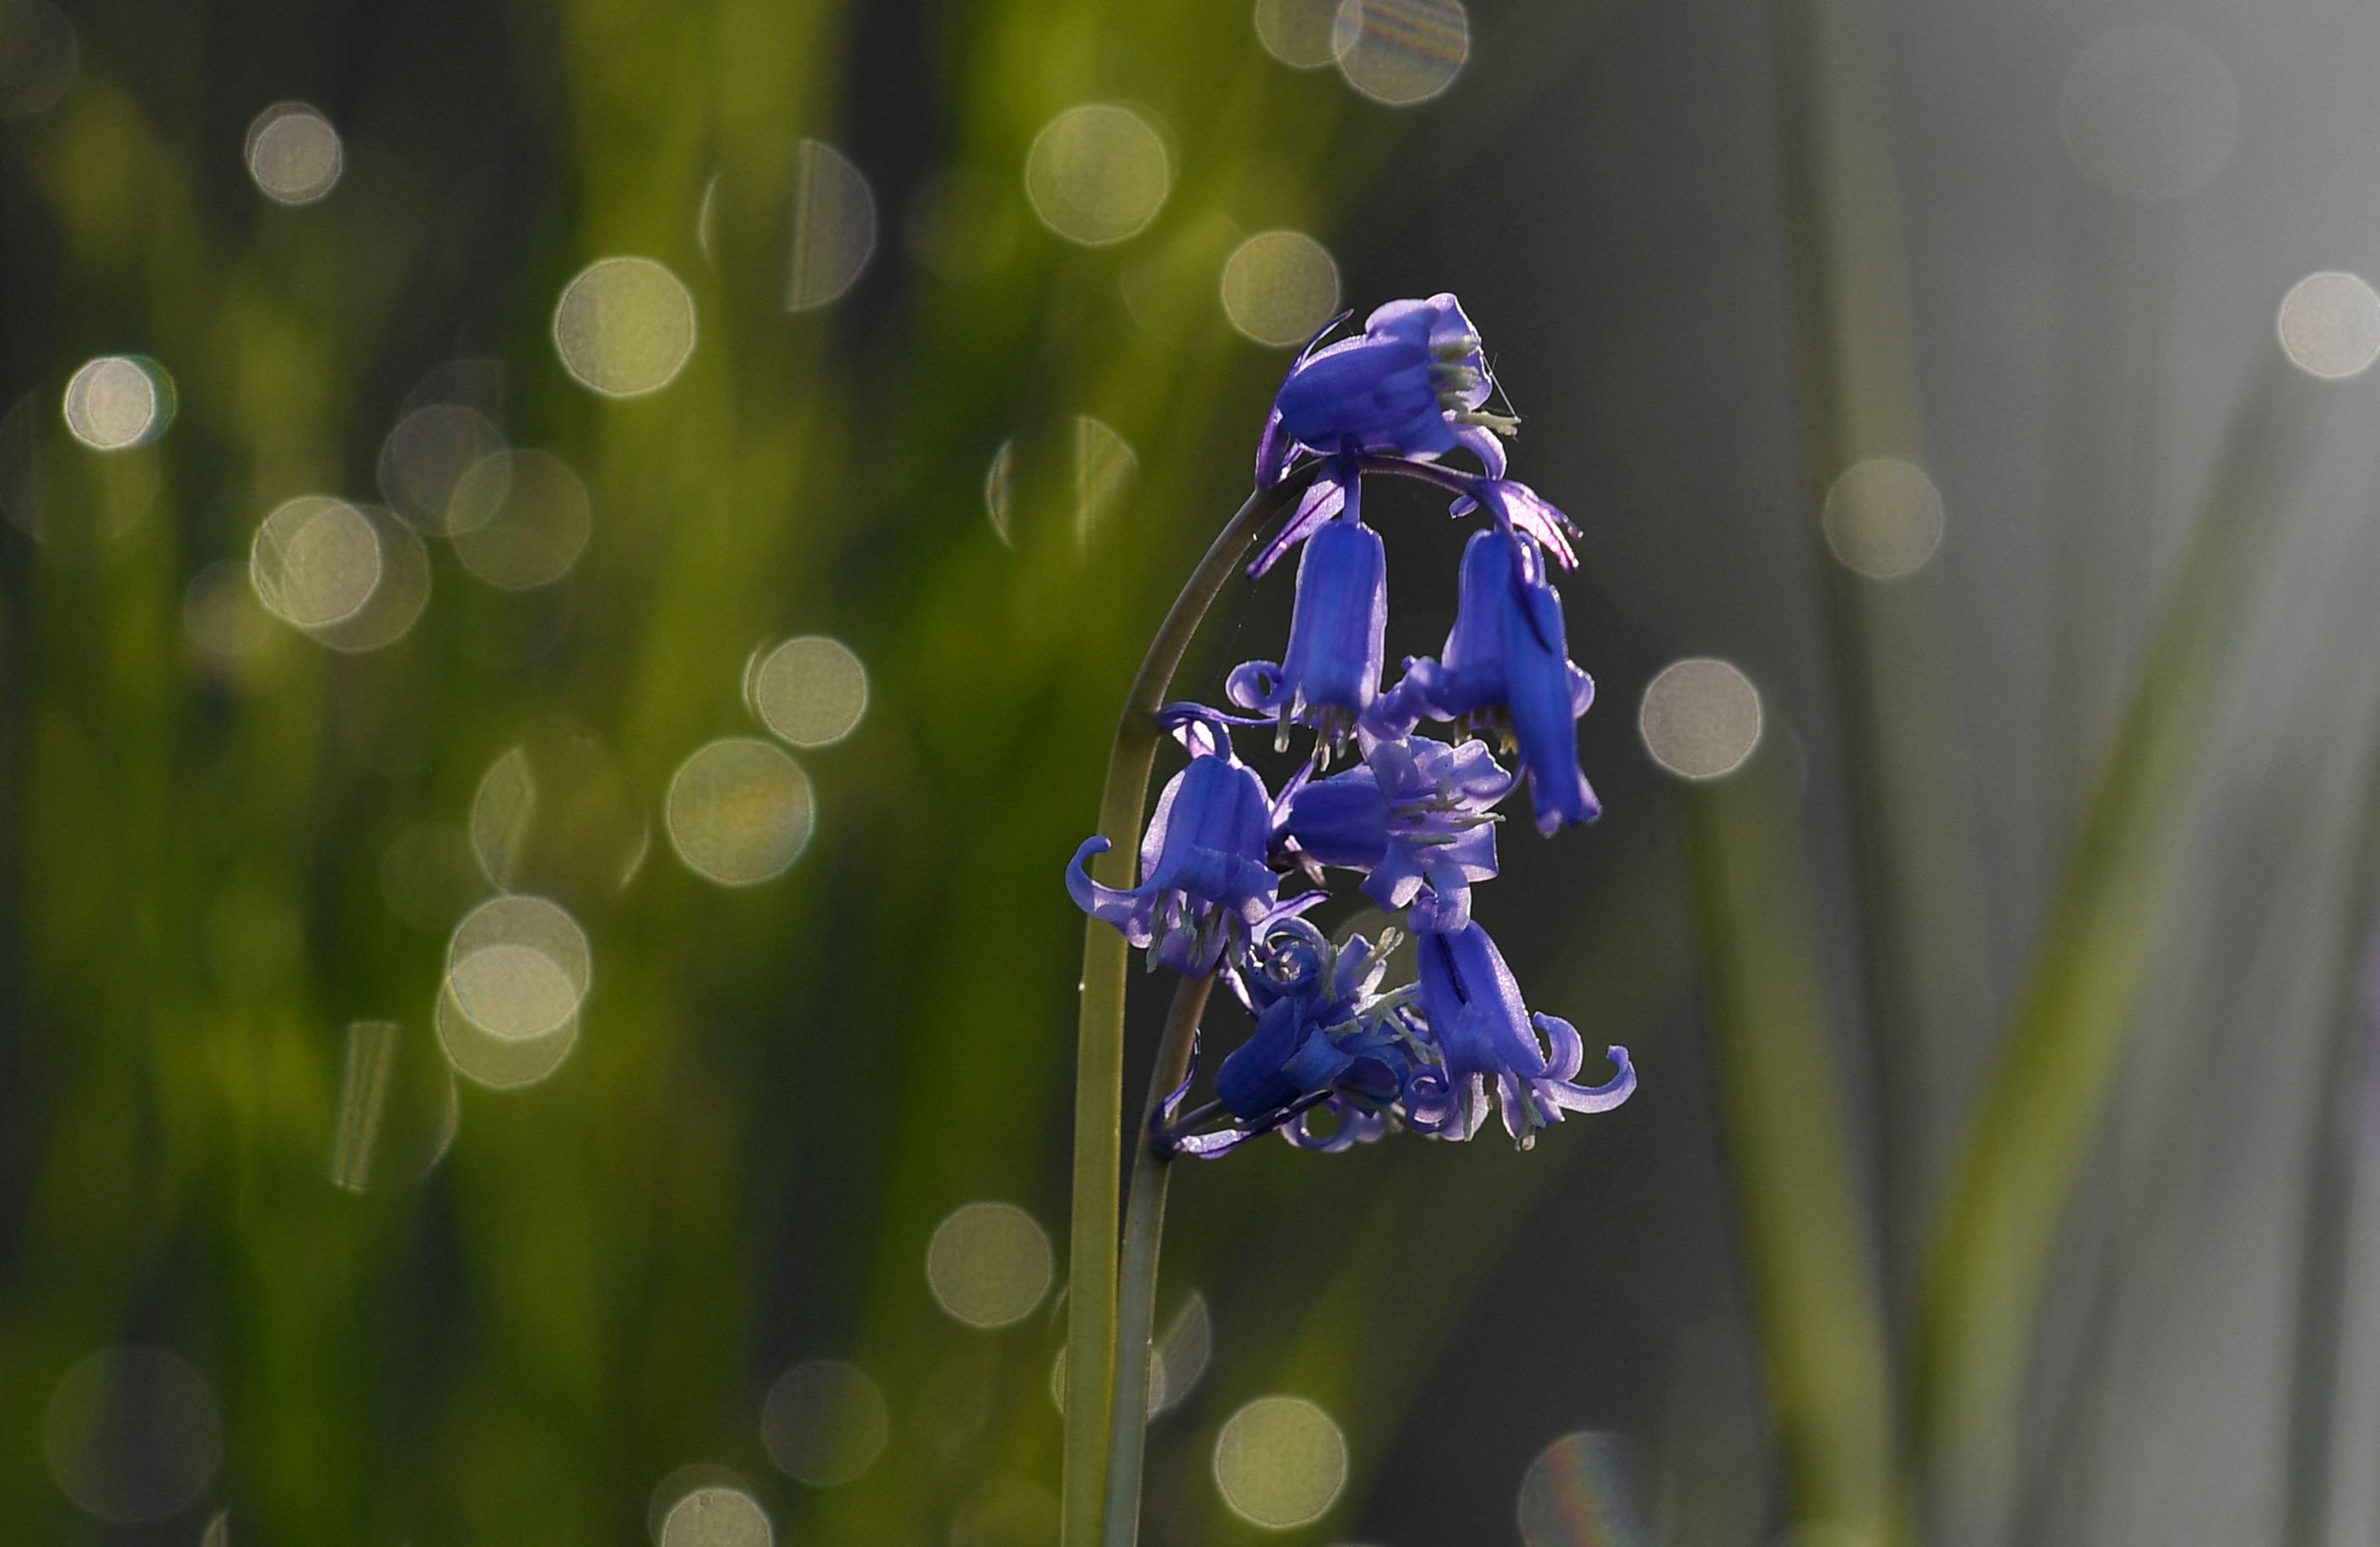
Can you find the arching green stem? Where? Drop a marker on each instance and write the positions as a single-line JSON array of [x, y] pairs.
[[1099, 1055], [1144, 1222]]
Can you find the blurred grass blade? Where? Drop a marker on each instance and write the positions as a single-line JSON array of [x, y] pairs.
[[1810, 1266], [2018, 1165], [1904, 763]]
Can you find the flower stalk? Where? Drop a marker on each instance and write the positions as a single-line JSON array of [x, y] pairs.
[[1091, 1272], [1144, 1222]]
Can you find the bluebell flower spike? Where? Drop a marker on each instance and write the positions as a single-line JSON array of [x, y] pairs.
[[1330, 673], [1416, 817], [1488, 1048], [1409, 385], [1203, 864], [1506, 671]]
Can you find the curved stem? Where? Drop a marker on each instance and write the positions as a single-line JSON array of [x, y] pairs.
[[1098, 1054], [1144, 1222]]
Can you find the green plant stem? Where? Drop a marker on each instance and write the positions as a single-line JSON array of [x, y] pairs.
[[1099, 1055], [1144, 1222]]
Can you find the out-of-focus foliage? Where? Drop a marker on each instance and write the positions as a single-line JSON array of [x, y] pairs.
[[713, 468]]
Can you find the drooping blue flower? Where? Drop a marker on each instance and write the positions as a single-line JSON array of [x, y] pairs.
[[1417, 816], [1203, 861], [1487, 1045], [1326, 1045], [1506, 668], [1330, 673], [1413, 383]]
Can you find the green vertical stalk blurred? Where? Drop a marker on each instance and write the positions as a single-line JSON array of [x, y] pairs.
[[2018, 1165], [1901, 741], [1811, 1268]]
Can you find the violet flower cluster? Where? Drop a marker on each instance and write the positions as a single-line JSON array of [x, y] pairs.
[[1335, 1059]]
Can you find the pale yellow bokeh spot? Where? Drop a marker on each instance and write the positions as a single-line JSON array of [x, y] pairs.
[[424, 460], [1883, 518], [529, 518], [113, 403], [2149, 112], [514, 992], [1701, 718], [824, 1422], [315, 560], [1097, 174], [294, 153], [1300, 33], [38, 56], [738, 811], [1281, 1462], [716, 1518], [2329, 325], [999, 491], [811, 690], [988, 1264], [834, 228], [1279, 286], [1401, 51], [1105, 465], [132, 1434], [625, 326]]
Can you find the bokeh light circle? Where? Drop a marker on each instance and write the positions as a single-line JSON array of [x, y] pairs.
[[2329, 325], [1281, 1462], [1883, 518], [1097, 174], [518, 969], [1302, 34], [1587, 1489], [294, 153], [132, 1435], [398, 1108], [526, 519], [116, 402], [2149, 112], [315, 560], [1701, 718], [425, 459], [1401, 52], [738, 811], [999, 492], [1279, 286], [38, 57], [824, 1422], [834, 228], [988, 1264], [624, 327], [1105, 465], [716, 1518], [811, 690]]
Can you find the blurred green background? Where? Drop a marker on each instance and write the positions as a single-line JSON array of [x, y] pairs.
[[712, 469]]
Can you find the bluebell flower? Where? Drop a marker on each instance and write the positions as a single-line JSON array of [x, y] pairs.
[[1487, 1045], [1203, 861], [1413, 383], [1330, 673], [1506, 668], [1417, 816], [1327, 1045]]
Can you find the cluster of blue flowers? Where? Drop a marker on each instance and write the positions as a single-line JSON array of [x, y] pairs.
[[1334, 1059]]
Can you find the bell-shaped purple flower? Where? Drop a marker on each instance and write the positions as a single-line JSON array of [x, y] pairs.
[[1487, 1045], [1330, 673], [1506, 668], [1416, 816], [1203, 862], [1327, 1043], [1413, 383]]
